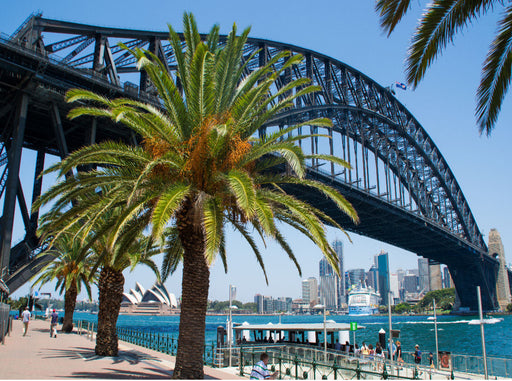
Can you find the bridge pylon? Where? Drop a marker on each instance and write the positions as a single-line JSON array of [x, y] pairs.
[[503, 286]]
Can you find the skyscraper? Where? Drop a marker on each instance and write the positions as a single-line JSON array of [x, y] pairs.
[[310, 290], [258, 299], [411, 283], [356, 277], [329, 291], [447, 282], [424, 275], [373, 277], [394, 287], [326, 270], [338, 248], [382, 262]]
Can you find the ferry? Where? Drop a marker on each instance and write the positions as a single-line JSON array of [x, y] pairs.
[[363, 301], [301, 334]]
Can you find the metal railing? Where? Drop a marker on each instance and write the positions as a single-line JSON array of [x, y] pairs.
[[307, 362], [496, 366], [303, 362], [160, 342]]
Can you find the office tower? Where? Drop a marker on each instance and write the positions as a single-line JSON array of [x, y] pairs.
[[382, 261], [434, 272], [325, 269], [373, 277], [424, 275], [394, 287], [310, 291], [411, 283], [329, 291], [268, 305], [258, 299], [447, 279], [342, 291], [356, 277], [400, 274]]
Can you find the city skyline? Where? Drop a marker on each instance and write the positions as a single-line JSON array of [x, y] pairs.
[[443, 103]]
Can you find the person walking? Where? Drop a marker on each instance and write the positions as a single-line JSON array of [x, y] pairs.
[[53, 324], [399, 358], [260, 370], [25, 315], [417, 354]]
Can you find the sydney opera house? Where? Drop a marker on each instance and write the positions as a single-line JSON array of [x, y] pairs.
[[154, 301]]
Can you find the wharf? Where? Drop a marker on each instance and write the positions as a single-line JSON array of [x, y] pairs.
[[37, 356]]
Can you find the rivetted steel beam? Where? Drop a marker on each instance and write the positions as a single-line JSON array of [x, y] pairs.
[[23, 207], [12, 180], [37, 187]]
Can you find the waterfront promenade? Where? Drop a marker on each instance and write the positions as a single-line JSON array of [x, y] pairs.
[[37, 356]]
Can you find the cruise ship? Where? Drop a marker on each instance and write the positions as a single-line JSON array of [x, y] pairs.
[[363, 301]]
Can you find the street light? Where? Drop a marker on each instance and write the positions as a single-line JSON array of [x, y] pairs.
[[435, 329], [325, 329]]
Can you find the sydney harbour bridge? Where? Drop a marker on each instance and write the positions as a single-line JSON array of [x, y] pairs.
[[400, 184]]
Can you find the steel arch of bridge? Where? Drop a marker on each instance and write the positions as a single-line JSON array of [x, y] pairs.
[[395, 163]]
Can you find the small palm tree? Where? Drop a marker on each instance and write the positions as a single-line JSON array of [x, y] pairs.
[[70, 269], [438, 24], [200, 167], [105, 247]]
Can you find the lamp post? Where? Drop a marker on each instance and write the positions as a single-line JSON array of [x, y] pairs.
[[482, 330], [390, 344], [230, 325], [435, 329], [325, 335]]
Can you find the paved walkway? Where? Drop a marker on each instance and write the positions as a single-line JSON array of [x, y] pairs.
[[37, 356]]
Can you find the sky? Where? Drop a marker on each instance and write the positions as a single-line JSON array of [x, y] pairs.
[[348, 31]]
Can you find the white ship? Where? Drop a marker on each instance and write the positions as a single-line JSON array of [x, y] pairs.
[[363, 301]]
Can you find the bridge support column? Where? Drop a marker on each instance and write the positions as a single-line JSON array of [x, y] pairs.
[[497, 251], [13, 165], [469, 274]]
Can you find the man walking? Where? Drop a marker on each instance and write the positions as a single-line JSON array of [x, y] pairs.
[[53, 324], [260, 370], [25, 315]]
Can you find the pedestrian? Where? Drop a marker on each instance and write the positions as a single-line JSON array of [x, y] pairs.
[[417, 354], [337, 346], [260, 370], [431, 360], [53, 324], [26, 318], [399, 358]]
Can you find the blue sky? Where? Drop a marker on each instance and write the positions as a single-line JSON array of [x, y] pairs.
[[349, 31]]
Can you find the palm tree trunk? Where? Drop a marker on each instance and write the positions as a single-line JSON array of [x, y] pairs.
[[194, 294], [69, 307], [110, 287]]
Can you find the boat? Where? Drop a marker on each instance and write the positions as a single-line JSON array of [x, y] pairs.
[[488, 320], [363, 301], [297, 334]]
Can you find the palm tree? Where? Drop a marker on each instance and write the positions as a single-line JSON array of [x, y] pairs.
[[200, 167], [438, 24], [71, 272], [113, 252]]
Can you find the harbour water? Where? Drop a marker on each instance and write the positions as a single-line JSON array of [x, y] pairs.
[[455, 334]]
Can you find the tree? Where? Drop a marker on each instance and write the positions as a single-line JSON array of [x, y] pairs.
[[401, 308], [200, 166], [438, 24], [71, 271], [99, 242]]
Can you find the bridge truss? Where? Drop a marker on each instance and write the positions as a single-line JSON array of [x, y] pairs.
[[400, 184]]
